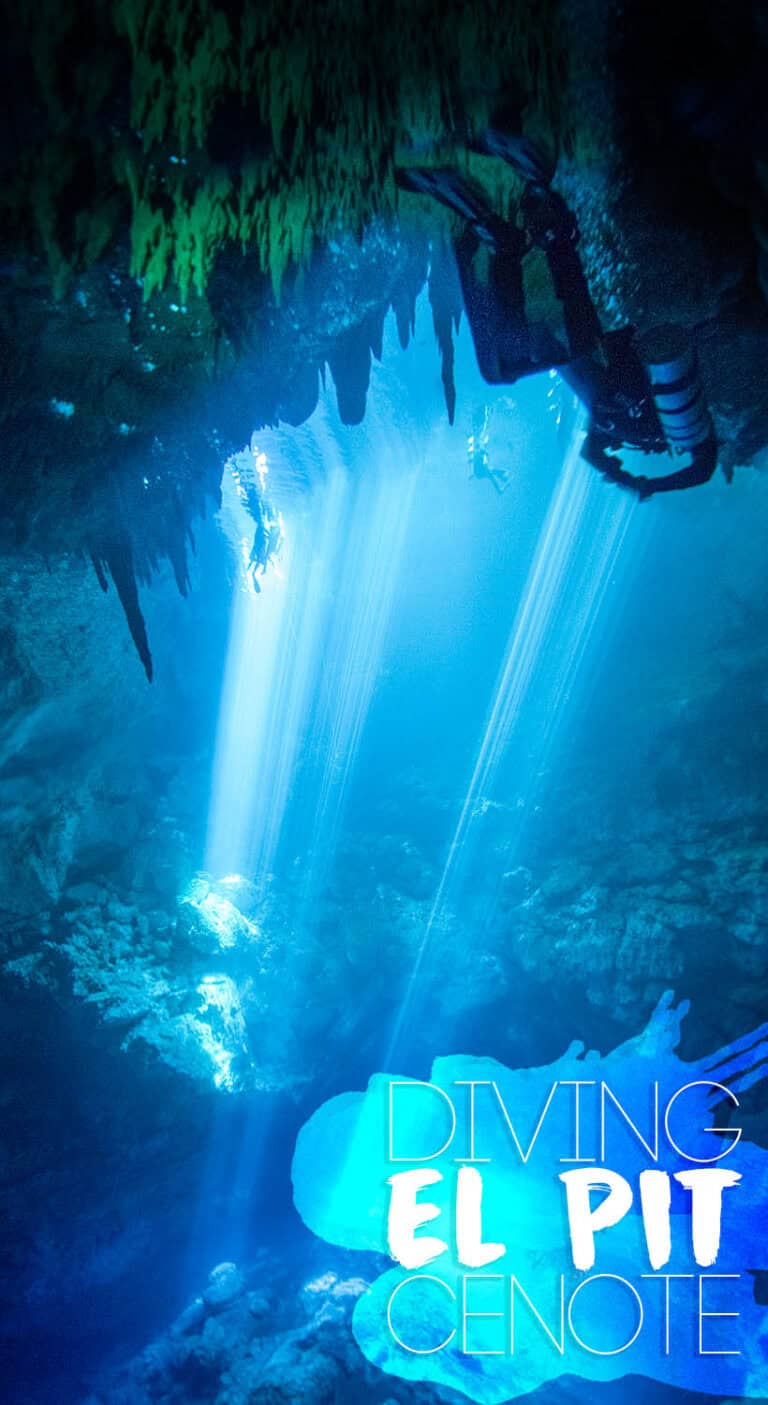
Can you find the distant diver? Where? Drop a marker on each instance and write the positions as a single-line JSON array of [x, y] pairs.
[[268, 536], [260, 549], [479, 458], [267, 541], [641, 393]]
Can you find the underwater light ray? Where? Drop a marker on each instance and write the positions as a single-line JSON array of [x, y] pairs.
[[582, 608], [274, 654], [538, 603], [368, 586], [299, 679], [588, 590], [556, 593], [301, 664], [291, 691], [256, 633], [572, 629], [523, 644]]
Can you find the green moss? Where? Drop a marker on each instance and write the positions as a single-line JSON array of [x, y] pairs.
[[316, 103]]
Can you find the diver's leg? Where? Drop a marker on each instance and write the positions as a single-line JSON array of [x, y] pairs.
[[582, 324], [496, 308], [551, 224], [479, 305], [553, 228], [703, 464]]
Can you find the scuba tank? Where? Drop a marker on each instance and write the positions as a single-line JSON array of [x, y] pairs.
[[673, 371]]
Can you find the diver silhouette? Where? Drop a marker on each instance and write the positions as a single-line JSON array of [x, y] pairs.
[[641, 393], [479, 459]]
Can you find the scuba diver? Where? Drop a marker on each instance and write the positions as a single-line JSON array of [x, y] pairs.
[[479, 458], [268, 537], [641, 393], [267, 541], [260, 550]]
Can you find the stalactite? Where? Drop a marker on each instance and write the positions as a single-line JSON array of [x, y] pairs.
[[445, 301], [405, 293], [350, 364], [117, 557], [178, 534], [189, 131], [101, 574], [404, 308], [335, 92]]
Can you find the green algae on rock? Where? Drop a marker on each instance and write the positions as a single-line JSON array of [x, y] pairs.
[[263, 125]]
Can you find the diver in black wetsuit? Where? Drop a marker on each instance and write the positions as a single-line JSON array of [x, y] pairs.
[[604, 369]]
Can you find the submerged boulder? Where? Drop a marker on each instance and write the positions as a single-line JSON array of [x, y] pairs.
[[226, 1283]]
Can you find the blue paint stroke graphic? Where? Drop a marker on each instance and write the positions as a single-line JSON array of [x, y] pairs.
[[340, 1176]]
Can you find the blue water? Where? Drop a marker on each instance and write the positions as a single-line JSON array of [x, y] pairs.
[[437, 690]]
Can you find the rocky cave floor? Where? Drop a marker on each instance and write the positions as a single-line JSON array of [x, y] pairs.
[[258, 1335], [134, 984]]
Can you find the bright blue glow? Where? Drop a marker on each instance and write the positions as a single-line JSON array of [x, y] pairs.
[[308, 654], [305, 653], [574, 564], [418, 626], [220, 1027], [219, 915]]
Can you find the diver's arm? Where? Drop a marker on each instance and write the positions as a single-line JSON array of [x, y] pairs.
[[595, 450], [700, 470]]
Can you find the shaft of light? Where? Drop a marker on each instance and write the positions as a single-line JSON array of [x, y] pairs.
[[304, 656], [368, 577], [552, 629]]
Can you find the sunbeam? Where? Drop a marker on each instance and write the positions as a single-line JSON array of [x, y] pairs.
[[304, 655], [573, 563]]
